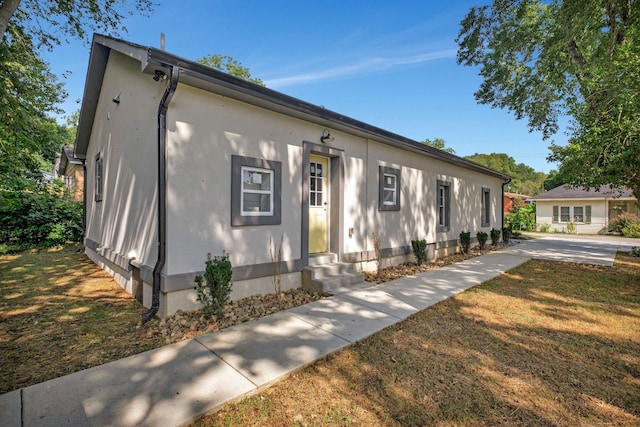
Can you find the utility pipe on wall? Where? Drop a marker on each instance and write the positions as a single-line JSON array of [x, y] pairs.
[[162, 194]]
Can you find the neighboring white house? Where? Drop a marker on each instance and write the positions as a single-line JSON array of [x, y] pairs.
[[588, 210], [183, 160]]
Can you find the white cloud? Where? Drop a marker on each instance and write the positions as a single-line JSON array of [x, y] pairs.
[[367, 66]]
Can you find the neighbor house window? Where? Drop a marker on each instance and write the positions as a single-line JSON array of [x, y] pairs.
[[578, 214], [255, 191], [388, 189], [486, 207], [98, 178], [444, 205]]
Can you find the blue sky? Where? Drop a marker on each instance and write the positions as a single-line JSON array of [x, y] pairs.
[[391, 64]]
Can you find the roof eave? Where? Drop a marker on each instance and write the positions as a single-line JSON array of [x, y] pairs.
[[206, 78]]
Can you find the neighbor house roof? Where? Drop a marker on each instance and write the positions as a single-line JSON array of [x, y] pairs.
[[191, 73], [66, 158], [567, 192]]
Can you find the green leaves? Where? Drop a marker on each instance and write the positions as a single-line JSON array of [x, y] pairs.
[[228, 65], [579, 58]]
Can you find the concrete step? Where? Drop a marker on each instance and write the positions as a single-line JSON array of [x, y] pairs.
[[327, 278], [323, 258]]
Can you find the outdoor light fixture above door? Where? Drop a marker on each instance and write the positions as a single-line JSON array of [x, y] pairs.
[[326, 136]]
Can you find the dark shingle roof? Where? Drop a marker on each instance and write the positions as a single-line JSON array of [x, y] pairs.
[[568, 192]]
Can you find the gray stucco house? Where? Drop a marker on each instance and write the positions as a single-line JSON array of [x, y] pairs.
[[183, 160]]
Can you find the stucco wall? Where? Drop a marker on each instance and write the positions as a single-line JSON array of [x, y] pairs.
[[205, 130], [125, 134]]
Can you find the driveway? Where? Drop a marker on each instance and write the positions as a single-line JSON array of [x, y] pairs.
[[573, 248]]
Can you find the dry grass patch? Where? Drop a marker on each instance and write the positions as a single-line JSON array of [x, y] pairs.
[[546, 344], [60, 313]]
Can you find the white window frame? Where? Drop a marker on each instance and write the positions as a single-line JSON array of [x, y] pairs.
[[244, 191], [573, 214], [98, 177], [486, 207], [393, 189], [443, 203]]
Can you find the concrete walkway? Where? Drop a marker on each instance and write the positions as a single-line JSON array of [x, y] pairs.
[[174, 384]]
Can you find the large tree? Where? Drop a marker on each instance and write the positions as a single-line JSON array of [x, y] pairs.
[[542, 60], [29, 92], [438, 143], [229, 65], [525, 179], [50, 22]]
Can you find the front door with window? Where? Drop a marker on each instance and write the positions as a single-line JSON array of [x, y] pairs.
[[318, 204]]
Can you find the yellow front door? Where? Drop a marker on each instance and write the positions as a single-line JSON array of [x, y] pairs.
[[318, 204]]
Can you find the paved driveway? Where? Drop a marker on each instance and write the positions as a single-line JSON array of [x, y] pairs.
[[573, 248]]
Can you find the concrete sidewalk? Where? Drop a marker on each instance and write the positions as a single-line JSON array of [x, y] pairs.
[[174, 384]]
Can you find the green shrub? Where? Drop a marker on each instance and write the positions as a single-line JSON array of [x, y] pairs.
[[419, 250], [635, 251], [632, 230], [506, 234], [572, 228], [482, 239], [544, 227], [214, 288], [465, 241], [625, 221], [39, 216], [495, 236]]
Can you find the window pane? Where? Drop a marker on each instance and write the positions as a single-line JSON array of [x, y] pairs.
[[256, 179], [564, 214], [254, 203], [312, 199], [390, 181], [578, 214], [319, 199], [389, 197]]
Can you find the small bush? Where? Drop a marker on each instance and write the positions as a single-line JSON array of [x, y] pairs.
[[495, 236], [506, 234], [571, 228], [214, 288], [419, 250], [622, 221], [465, 241], [632, 230], [635, 251], [544, 227], [482, 239]]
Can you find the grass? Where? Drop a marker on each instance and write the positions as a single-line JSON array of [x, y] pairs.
[[60, 313], [545, 344]]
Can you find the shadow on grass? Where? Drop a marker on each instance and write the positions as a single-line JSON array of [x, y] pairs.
[[59, 313], [546, 344]]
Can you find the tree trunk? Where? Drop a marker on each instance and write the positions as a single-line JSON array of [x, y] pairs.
[[7, 9]]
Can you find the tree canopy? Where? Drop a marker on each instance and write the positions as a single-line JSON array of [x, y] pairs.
[[438, 143], [50, 22], [578, 58], [229, 65], [525, 179], [29, 92]]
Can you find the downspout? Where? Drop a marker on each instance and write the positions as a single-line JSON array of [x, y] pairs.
[[162, 194], [502, 203], [84, 201]]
